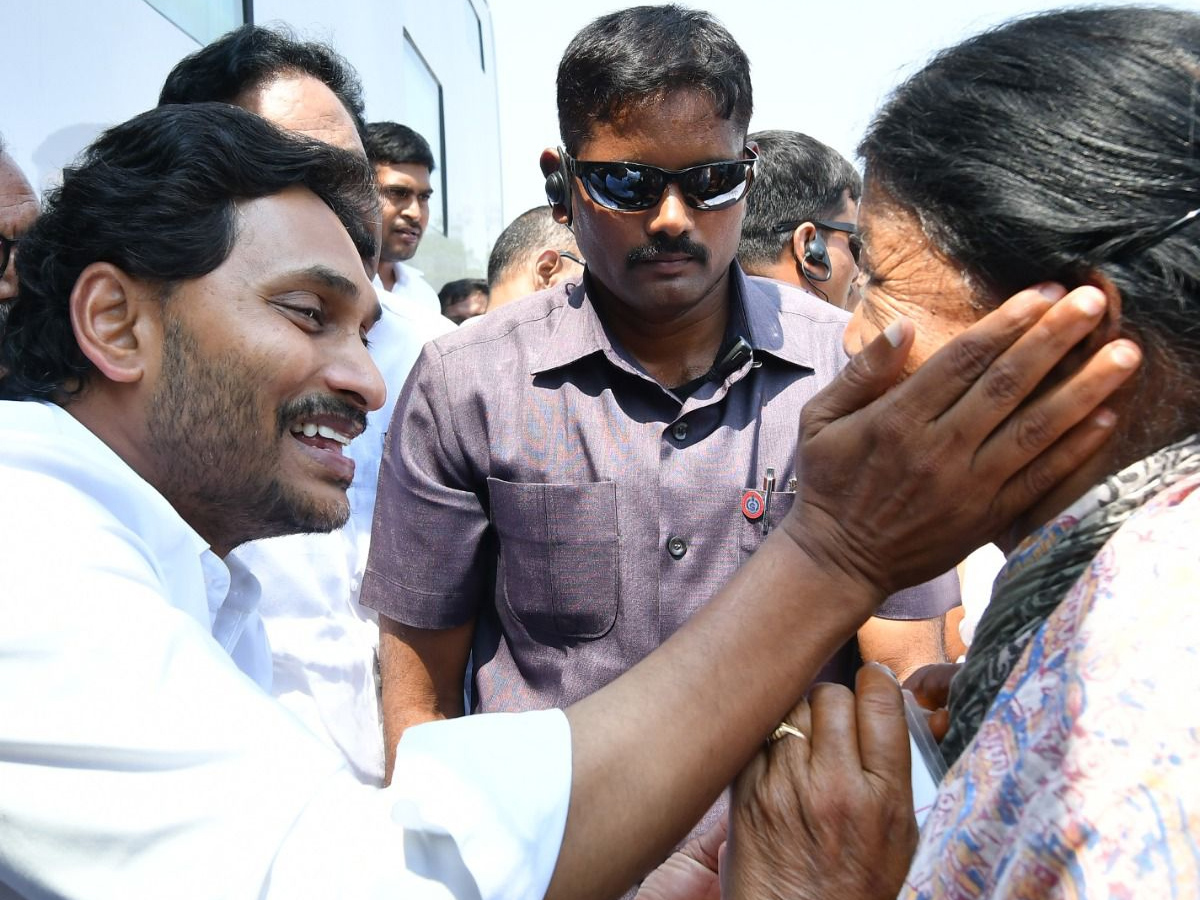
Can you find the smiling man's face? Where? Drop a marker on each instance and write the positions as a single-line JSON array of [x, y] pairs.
[[264, 378]]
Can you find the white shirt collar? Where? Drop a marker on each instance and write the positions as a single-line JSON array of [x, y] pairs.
[[58, 442], [404, 275]]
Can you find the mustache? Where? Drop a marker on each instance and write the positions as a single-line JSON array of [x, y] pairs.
[[664, 246], [320, 404]]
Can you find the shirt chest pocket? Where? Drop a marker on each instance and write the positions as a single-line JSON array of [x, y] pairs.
[[558, 555]]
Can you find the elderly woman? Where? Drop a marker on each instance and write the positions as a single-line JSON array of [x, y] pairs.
[[1059, 148], [1066, 147]]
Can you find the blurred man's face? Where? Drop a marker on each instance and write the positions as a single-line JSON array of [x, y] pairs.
[[474, 304], [843, 268], [536, 272], [404, 192], [18, 209]]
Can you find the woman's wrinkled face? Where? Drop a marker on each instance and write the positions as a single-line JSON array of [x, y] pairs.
[[903, 275]]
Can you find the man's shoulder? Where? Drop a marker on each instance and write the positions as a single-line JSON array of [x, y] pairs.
[[411, 319], [793, 301], [522, 326], [42, 438], [60, 479], [795, 325], [410, 279], [411, 288], [43, 443]]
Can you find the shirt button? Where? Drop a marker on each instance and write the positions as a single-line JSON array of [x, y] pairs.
[[680, 430], [677, 547]]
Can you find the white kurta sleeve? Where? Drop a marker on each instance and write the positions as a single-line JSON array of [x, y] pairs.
[[476, 809], [136, 760]]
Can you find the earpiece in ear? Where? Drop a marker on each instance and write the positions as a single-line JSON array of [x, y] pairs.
[[817, 254], [556, 191], [558, 187]]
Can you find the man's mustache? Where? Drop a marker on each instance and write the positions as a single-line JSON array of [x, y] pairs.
[[315, 405], [667, 247]]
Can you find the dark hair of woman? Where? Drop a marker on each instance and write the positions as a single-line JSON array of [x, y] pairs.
[[1035, 153]]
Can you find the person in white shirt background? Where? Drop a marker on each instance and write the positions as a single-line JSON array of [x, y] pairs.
[[323, 642], [403, 165]]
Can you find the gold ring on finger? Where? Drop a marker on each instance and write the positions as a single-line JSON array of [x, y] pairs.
[[784, 729]]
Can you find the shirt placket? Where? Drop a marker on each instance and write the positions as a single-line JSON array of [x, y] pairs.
[[691, 536]]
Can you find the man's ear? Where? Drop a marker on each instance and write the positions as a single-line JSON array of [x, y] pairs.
[[801, 235], [547, 264], [558, 186], [116, 319]]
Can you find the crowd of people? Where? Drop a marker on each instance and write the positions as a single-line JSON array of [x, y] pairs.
[[323, 583]]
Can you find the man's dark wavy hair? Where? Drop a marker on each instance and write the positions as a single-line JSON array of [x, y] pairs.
[[156, 197], [1057, 146], [250, 56], [638, 55]]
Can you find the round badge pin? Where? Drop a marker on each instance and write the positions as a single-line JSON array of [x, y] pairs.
[[752, 505]]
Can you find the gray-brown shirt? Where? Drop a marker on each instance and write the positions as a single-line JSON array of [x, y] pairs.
[[538, 480]]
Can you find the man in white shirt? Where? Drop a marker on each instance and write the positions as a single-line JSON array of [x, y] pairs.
[[403, 165], [193, 320], [322, 640]]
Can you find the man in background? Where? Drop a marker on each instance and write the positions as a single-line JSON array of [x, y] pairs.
[[463, 299], [300, 86], [574, 475], [533, 253], [802, 217], [323, 642], [18, 210], [403, 165]]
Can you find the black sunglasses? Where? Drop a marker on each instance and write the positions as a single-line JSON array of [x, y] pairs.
[[854, 239], [634, 187], [7, 245]]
